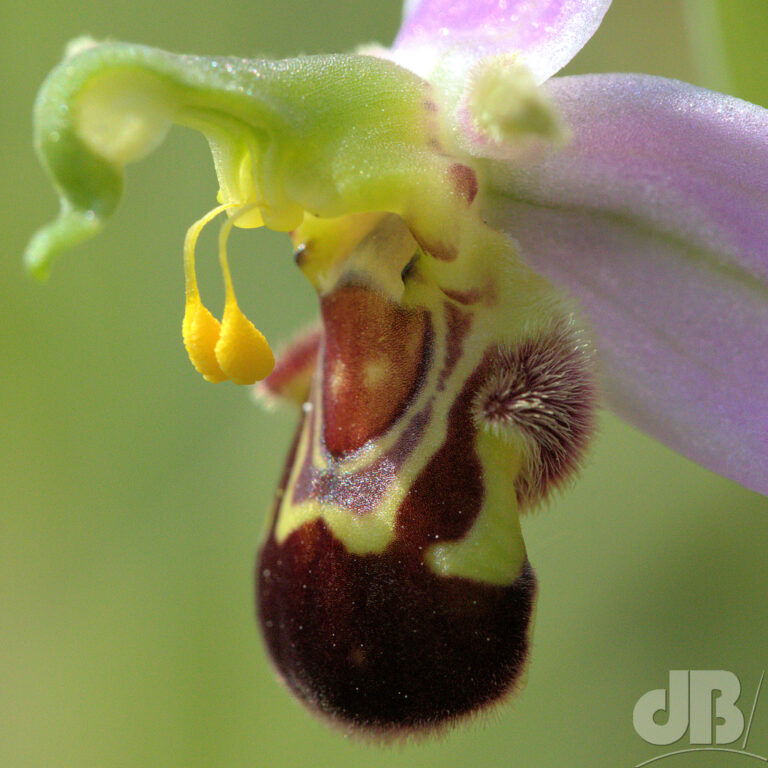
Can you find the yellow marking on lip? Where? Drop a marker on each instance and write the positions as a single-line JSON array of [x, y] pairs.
[[375, 373], [493, 551]]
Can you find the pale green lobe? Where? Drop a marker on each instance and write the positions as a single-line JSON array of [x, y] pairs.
[[330, 135], [493, 551]]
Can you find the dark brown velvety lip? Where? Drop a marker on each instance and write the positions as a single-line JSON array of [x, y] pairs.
[[382, 643], [379, 641]]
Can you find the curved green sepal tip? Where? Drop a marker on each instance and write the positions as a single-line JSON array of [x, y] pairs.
[[70, 229]]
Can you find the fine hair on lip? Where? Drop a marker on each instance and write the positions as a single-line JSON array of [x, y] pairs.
[[542, 391]]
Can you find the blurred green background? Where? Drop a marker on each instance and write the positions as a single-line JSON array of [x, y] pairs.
[[133, 494]]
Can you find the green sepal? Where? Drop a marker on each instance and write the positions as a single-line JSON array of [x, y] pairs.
[[330, 135]]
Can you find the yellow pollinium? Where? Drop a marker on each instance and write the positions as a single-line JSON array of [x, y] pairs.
[[201, 332], [232, 350], [242, 351]]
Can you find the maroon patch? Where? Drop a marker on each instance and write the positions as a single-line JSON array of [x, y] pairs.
[[446, 497], [374, 355], [458, 323], [438, 250], [464, 297], [380, 642], [464, 181]]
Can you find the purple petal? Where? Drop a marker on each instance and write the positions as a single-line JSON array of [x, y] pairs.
[[546, 33], [656, 218]]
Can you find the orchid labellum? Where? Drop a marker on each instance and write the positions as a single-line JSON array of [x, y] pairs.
[[490, 251]]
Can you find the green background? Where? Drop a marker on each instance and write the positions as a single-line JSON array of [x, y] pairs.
[[133, 494]]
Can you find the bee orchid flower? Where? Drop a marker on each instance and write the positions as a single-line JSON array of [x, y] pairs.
[[494, 253]]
